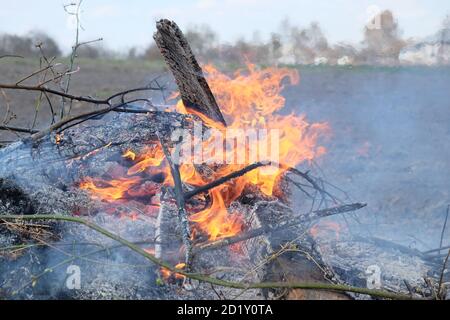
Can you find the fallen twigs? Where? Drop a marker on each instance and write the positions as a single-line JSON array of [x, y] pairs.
[[212, 280]]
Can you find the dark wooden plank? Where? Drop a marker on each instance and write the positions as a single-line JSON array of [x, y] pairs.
[[194, 89]]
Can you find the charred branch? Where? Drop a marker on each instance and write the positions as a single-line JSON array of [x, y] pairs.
[[179, 197], [224, 179], [283, 225]]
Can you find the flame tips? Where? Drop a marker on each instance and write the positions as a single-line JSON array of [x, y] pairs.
[[129, 155]]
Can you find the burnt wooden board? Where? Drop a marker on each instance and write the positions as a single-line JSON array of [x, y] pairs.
[[194, 89]]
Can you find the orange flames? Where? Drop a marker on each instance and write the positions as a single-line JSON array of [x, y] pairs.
[[248, 100], [109, 190], [166, 274]]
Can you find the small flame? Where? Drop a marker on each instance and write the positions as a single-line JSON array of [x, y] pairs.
[[149, 158], [215, 220], [166, 274], [108, 190]]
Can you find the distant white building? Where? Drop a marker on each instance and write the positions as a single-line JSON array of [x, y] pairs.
[[344, 61], [320, 61]]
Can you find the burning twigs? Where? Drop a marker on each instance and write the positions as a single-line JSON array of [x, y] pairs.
[[268, 229], [251, 167]]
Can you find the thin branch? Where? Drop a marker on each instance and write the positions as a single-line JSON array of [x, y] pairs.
[[122, 94], [55, 92], [118, 108], [443, 228], [17, 129], [35, 73], [11, 56], [208, 279], [307, 177], [429, 252], [71, 96]]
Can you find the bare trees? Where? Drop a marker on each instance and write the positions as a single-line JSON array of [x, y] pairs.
[[26, 46]]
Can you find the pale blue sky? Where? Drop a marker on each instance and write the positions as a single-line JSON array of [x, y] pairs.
[[124, 24]]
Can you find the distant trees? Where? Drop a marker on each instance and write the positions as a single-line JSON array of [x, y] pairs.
[[15, 45], [290, 44], [49, 45], [26, 46], [307, 43], [31, 44]]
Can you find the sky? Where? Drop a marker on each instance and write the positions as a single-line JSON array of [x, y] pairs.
[[125, 24]]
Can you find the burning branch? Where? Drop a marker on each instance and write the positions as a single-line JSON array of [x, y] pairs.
[[224, 179], [284, 225]]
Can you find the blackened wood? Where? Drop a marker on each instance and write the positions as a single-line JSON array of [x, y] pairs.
[[194, 89]]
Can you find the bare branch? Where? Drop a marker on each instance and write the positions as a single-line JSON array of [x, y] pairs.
[[17, 129]]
